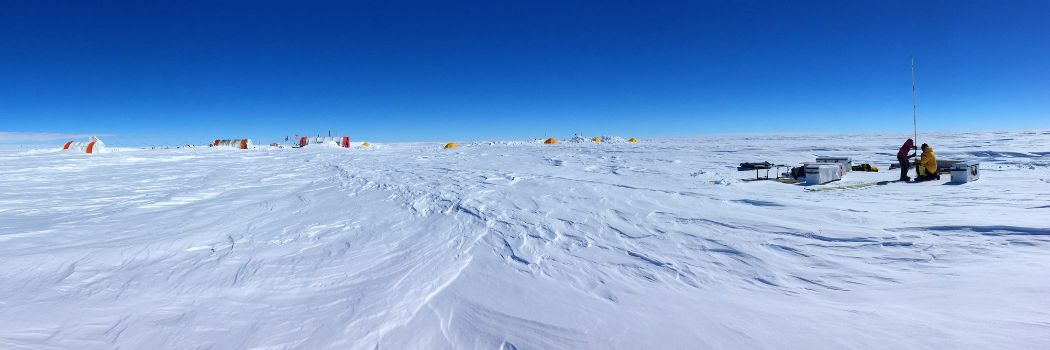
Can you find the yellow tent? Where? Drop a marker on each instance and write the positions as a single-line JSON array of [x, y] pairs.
[[366, 144], [633, 139], [451, 145], [597, 139], [551, 141]]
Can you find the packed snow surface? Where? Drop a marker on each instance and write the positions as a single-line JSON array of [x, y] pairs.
[[521, 245]]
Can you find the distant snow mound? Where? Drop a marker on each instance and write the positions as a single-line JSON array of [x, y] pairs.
[[41, 150], [499, 143], [604, 138], [482, 143], [578, 139]]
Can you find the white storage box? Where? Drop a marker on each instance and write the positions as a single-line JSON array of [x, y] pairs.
[[846, 162], [963, 172], [822, 173]]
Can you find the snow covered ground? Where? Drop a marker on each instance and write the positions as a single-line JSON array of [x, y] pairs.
[[520, 245]]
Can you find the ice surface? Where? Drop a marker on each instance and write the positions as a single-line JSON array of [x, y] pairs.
[[520, 245]]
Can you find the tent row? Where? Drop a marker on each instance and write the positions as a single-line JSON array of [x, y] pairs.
[[95, 145], [305, 141], [596, 139], [549, 141], [328, 141]]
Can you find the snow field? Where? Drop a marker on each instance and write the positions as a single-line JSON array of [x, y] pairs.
[[520, 245]]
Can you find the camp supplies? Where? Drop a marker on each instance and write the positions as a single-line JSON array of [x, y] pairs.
[[865, 167], [963, 172], [822, 173], [846, 162], [753, 166]]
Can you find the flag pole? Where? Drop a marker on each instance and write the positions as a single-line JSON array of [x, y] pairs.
[[914, 102]]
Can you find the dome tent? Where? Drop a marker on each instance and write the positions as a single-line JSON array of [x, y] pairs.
[[328, 141], [633, 139], [551, 141], [451, 145], [596, 139], [233, 143], [92, 146]]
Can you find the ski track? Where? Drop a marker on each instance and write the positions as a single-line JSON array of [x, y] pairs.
[[519, 245]]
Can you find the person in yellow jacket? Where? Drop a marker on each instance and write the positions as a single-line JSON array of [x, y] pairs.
[[927, 165]]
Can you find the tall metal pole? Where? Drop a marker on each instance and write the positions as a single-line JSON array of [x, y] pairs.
[[914, 102]]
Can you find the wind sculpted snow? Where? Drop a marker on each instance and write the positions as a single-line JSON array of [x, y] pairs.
[[520, 245]]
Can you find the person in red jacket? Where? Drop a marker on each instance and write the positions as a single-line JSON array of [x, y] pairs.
[[903, 156]]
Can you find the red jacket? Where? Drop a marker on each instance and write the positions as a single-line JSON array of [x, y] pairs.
[[903, 153]]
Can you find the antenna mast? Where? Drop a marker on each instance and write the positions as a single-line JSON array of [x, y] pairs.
[[914, 102]]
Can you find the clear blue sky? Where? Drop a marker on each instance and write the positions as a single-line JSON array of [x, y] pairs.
[[149, 72]]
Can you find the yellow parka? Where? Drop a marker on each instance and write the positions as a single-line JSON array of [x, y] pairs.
[[928, 160]]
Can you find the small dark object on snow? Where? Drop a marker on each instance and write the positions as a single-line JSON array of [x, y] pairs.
[[753, 166], [865, 167]]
